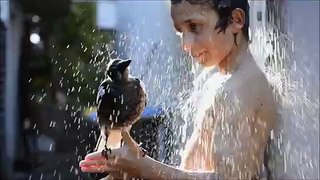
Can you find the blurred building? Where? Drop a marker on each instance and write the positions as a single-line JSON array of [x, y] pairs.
[[2, 96], [11, 18], [16, 17]]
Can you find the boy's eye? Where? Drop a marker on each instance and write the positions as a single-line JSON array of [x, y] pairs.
[[195, 28]]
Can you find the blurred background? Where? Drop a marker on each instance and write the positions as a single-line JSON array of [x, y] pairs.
[[53, 55]]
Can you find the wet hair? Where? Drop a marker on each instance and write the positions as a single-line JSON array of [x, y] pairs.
[[224, 9]]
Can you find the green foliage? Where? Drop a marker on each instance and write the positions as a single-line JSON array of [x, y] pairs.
[[78, 54]]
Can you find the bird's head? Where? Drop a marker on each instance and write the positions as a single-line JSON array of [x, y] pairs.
[[118, 70]]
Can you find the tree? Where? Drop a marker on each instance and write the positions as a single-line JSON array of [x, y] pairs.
[[78, 52]]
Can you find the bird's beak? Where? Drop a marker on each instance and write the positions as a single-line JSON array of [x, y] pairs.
[[124, 64]]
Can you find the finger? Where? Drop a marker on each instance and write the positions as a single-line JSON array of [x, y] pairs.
[[131, 143], [97, 169], [118, 177], [127, 138], [94, 156], [99, 156], [92, 163], [125, 176], [109, 177]]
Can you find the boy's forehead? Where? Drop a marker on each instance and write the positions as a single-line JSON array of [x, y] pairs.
[[184, 11]]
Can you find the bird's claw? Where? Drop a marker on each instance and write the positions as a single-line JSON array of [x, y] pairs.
[[143, 151], [106, 152]]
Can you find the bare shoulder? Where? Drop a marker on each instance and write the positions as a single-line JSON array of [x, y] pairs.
[[250, 87]]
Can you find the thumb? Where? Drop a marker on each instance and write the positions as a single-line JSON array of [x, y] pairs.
[[130, 142]]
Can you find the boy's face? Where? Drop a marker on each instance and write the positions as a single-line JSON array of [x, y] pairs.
[[196, 23]]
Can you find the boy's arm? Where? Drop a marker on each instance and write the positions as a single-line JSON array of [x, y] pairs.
[[190, 152], [157, 170]]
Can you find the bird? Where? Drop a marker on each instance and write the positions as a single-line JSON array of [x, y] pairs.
[[121, 100]]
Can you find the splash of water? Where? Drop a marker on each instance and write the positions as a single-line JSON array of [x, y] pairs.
[[288, 69]]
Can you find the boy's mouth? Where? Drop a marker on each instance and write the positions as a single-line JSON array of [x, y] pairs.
[[199, 55]]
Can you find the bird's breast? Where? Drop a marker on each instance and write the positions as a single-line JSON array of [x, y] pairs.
[[123, 103]]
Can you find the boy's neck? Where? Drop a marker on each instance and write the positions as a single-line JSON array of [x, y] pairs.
[[236, 55]]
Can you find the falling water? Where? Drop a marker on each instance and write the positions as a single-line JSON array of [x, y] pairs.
[[293, 69], [175, 83]]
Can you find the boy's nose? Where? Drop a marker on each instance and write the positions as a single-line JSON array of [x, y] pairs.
[[187, 42], [187, 47]]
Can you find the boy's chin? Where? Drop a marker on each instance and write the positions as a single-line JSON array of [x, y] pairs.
[[206, 63]]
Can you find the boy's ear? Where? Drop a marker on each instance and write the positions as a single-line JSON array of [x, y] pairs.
[[238, 20]]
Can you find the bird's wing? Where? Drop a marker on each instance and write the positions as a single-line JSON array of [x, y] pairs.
[[143, 87], [102, 89], [107, 91]]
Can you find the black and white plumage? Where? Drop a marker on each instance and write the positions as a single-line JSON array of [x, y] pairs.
[[121, 99]]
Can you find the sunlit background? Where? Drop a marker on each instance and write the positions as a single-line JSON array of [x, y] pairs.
[[53, 55]]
